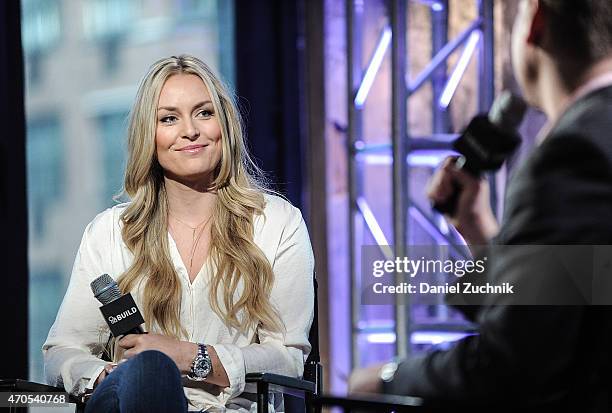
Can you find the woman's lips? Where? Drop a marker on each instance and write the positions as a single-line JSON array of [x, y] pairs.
[[192, 148]]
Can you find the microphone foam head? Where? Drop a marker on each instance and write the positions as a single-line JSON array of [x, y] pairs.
[[105, 289], [507, 111]]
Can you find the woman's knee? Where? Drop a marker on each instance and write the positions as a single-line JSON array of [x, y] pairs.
[[152, 383], [152, 368]]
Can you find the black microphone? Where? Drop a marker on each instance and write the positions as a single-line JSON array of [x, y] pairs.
[[487, 142], [119, 311]]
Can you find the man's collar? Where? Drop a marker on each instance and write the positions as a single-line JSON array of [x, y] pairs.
[[594, 84]]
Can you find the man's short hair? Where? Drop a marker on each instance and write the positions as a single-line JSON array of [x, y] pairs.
[[581, 29]]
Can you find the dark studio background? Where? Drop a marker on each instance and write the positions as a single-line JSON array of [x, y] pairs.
[[269, 61], [13, 205]]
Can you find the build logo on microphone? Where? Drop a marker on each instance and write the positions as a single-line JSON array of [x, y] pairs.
[[122, 315]]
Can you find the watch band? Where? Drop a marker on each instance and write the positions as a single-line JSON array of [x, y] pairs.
[[201, 366]]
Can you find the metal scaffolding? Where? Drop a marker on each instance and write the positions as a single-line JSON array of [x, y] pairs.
[[477, 38]]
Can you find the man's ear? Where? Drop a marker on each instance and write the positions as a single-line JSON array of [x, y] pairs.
[[538, 22]]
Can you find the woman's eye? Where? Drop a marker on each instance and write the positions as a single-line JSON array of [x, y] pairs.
[[205, 113], [168, 119]]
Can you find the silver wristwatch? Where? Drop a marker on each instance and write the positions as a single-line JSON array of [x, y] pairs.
[[387, 374], [201, 366]]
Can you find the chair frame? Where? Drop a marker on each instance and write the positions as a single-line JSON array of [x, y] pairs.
[[307, 388]]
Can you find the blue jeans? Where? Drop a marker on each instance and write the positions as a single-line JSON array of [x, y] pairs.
[[147, 382]]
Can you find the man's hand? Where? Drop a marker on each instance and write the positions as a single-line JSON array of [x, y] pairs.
[[473, 217], [366, 380], [181, 352]]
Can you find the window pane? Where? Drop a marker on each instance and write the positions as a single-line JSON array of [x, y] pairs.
[[112, 129], [45, 164]]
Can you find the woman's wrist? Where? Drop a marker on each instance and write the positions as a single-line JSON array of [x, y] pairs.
[[188, 352]]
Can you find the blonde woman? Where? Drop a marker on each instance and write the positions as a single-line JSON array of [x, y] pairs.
[[221, 269]]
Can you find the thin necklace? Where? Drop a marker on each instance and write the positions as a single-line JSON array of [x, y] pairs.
[[194, 240]]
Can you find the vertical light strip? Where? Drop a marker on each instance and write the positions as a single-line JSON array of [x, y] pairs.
[[374, 227], [459, 71], [442, 56], [372, 70]]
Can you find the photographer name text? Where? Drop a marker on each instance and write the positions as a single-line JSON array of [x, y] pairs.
[[455, 288]]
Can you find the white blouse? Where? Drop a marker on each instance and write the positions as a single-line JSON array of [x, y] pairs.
[[72, 350]]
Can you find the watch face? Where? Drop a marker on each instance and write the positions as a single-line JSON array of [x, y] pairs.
[[202, 366]]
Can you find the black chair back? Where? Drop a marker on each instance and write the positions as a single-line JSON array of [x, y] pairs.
[[314, 358], [313, 370]]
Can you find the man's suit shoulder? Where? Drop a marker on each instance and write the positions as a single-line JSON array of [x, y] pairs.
[[579, 146], [563, 191], [588, 121]]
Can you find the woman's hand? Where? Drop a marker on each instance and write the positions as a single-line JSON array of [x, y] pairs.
[[181, 352], [107, 370]]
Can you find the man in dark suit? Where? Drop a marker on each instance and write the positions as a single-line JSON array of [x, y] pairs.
[[562, 195]]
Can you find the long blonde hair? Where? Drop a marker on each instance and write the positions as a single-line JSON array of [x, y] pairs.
[[237, 260]]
